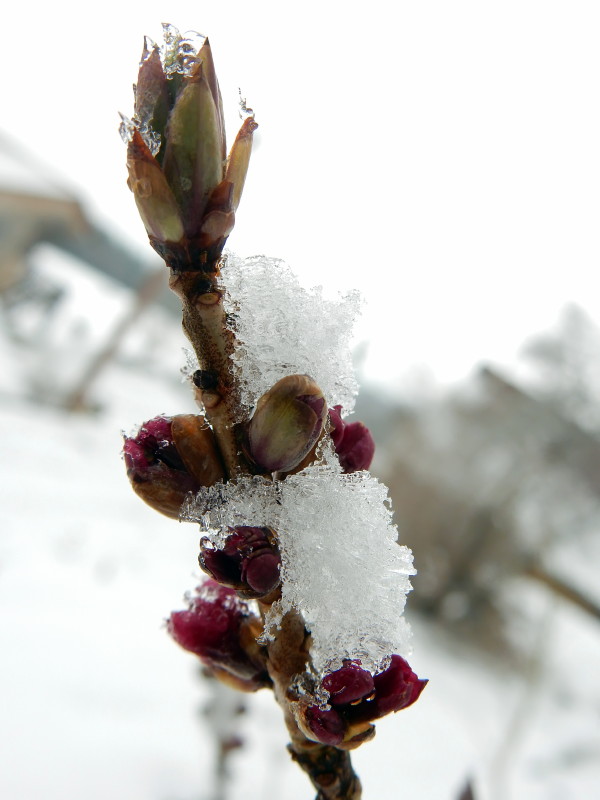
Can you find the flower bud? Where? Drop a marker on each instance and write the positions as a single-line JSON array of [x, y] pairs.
[[357, 698], [221, 630], [357, 448], [286, 424], [249, 561], [326, 726], [397, 687], [348, 684], [353, 442], [170, 457]]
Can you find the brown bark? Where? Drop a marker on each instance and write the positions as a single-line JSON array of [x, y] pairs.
[[329, 769], [205, 325]]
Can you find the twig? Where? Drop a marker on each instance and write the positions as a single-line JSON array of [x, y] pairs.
[[329, 769], [564, 590], [205, 325]]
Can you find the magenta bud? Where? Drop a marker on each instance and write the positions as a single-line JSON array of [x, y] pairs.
[[357, 448], [286, 424], [328, 726], [261, 572], [219, 628], [348, 684], [353, 442], [249, 561], [359, 698], [155, 468], [397, 687], [169, 457]]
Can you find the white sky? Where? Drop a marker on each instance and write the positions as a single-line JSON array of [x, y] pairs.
[[443, 157]]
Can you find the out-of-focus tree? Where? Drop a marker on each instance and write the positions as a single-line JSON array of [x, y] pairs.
[[565, 367], [492, 486]]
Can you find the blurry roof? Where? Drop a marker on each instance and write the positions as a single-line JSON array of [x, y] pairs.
[[35, 206]]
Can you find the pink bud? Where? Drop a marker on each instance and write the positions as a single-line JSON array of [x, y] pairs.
[[169, 457], [397, 687], [348, 684], [248, 561], [357, 448], [215, 628], [327, 726], [155, 468], [353, 442], [359, 697]]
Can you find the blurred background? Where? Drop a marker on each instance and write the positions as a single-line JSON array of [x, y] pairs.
[[443, 159]]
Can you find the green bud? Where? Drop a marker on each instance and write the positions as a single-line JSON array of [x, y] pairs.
[[239, 159], [193, 165], [286, 424], [153, 196], [185, 188]]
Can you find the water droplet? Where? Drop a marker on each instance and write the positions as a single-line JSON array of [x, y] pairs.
[[245, 111]]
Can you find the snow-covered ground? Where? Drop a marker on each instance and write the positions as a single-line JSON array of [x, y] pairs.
[[98, 702]]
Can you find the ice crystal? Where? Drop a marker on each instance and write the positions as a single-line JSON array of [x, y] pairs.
[[342, 567], [179, 52], [282, 329], [126, 128]]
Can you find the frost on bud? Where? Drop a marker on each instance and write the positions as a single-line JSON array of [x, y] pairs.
[[185, 188], [353, 442], [249, 561], [221, 630], [287, 422], [357, 699], [170, 457]]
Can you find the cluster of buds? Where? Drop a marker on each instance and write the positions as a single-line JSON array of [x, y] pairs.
[[221, 630], [185, 186], [356, 699], [170, 457]]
